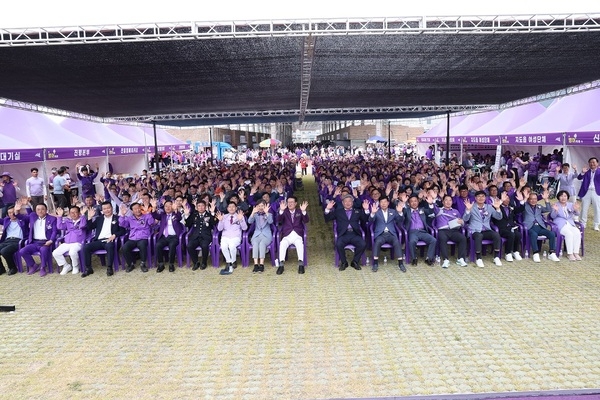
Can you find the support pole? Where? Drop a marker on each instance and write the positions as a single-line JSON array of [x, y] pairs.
[[156, 156], [389, 140], [210, 137], [447, 138]]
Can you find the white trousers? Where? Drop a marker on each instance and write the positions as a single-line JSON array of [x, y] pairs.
[[229, 248], [572, 237], [590, 198], [72, 249], [296, 240]]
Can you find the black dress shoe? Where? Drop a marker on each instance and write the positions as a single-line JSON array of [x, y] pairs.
[[401, 266], [203, 266], [196, 266], [88, 272], [256, 268], [343, 266], [355, 265], [261, 268], [109, 271], [171, 268], [144, 267], [2, 271], [160, 268], [414, 261], [301, 269], [234, 265], [429, 262], [280, 270], [12, 271], [129, 268]]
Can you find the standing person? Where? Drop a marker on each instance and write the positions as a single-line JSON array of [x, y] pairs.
[[16, 228], [8, 189], [61, 188], [565, 178], [292, 223], [42, 234], [449, 224], [384, 222], [86, 177], [304, 165], [140, 230], [348, 220], [35, 188], [562, 214], [589, 192], [170, 229], [262, 236], [75, 227], [106, 230], [231, 224], [200, 223], [479, 215]]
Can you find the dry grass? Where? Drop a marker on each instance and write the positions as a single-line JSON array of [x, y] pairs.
[[519, 327]]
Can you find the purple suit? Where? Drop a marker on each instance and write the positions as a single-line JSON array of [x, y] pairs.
[[586, 182], [35, 246], [288, 225]]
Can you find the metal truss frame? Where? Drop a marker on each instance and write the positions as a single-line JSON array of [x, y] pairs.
[[308, 53], [497, 24]]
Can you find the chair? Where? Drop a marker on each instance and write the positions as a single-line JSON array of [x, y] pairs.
[[178, 250], [452, 244], [43, 260], [81, 257], [350, 247], [421, 245], [291, 246], [560, 238], [217, 249], [385, 246], [272, 249], [102, 254], [124, 239], [17, 257]]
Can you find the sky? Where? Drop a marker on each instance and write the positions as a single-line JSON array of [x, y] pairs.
[[38, 13]]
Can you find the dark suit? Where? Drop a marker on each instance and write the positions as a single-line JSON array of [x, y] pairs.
[[348, 231], [509, 229], [10, 245], [201, 230], [168, 240], [385, 231], [98, 243]]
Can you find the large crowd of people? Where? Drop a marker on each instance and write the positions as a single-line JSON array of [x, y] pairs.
[[203, 209]]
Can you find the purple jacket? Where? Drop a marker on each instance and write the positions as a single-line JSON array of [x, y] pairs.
[[139, 228], [177, 225], [9, 193], [50, 230], [22, 220], [287, 225], [587, 180], [76, 230], [564, 215]]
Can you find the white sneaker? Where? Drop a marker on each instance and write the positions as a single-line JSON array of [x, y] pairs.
[[536, 257], [553, 257], [446, 264], [66, 269], [517, 256], [497, 261], [596, 228], [479, 263], [509, 257], [75, 270], [461, 262]]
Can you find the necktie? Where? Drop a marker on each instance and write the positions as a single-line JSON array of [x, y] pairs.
[[231, 220]]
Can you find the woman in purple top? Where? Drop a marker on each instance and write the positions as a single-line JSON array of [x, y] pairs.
[[562, 214]]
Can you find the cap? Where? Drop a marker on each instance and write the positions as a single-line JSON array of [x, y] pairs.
[[6, 174]]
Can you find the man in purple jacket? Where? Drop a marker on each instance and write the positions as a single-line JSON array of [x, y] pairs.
[[42, 234], [75, 227], [589, 192], [292, 221], [140, 228], [8, 190]]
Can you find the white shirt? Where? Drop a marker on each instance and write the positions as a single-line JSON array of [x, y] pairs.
[[39, 229], [105, 231], [592, 185], [169, 230]]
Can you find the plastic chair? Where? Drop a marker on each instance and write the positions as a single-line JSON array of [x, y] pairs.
[[59, 241], [291, 246], [211, 248], [421, 245], [102, 254], [352, 248], [178, 250], [217, 249], [452, 243], [385, 246], [124, 239]]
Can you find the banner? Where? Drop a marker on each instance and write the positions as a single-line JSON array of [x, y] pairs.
[[492, 140], [542, 139], [583, 139], [66, 154], [125, 150], [21, 156]]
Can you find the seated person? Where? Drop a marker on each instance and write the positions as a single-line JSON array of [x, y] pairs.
[[416, 222], [384, 220], [200, 223], [140, 229], [16, 228], [478, 216], [509, 229], [262, 236], [449, 223], [75, 227], [170, 228], [292, 221], [535, 224], [107, 230], [562, 214], [231, 224]]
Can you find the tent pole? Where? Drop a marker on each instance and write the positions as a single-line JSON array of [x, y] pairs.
[[156, 157], [50, 202], [447, 138], [389, 140], [210, 137]]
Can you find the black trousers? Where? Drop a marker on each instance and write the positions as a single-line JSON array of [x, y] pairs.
[[129, 245], [487, 235], [96, 245], [170, 241], [204, 244], [8, 248], [457, 237], [354, 239], [513, 240]]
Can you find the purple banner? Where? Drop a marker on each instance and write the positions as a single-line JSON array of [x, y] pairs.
[[442, 140], [542, 139], [486, 140], [125, 150], [420, 139], [21, 156], [583, 139], [69, 153], [184, 146]]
